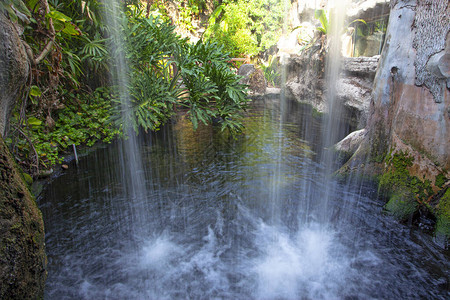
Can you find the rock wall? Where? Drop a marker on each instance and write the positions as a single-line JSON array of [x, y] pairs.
[[404, 114], [14, 70], [407, 138], [306, 83], [22, 257], [305, 78]]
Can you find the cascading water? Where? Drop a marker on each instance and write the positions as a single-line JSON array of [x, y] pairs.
[[200, 216], [130, 157]]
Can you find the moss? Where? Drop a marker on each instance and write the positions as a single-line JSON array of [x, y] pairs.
[[403, 190], [402, 206], [27, 178], [316, 113], [440, 180], [443, 215]]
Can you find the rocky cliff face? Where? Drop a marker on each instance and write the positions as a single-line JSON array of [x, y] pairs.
[[306, 80], [22, 257], [410, 108], [306, 83]]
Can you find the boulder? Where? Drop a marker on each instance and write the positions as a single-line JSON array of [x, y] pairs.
[[351, 142], [253, 77]]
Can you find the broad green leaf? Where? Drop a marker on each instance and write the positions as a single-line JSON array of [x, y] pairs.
[[33, 4], [58, 25], [71, 29], [35, 91], [34, 121], [57, 15]]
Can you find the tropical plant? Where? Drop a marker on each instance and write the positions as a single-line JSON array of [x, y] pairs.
[[321, 15], [166, 71], [246, 27], [271, 70]]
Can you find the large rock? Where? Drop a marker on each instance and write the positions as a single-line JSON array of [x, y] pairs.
[[305, 77], [253, 77], [348, 146], [22, 257], [14, 70], [354, 87], [367, 9], [405, 115]]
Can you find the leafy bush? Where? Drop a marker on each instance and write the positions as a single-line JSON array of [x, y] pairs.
[[166, 71], [246, 27], [84, 122]]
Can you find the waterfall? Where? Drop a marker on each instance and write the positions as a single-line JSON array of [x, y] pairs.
[[201, 216], [130, 159], [333, 126]]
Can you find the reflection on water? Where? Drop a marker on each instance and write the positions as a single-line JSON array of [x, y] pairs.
[[209, 226]]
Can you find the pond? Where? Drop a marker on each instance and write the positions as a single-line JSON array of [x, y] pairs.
[[222, 218]]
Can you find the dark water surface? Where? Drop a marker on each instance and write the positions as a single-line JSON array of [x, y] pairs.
[[231, 219]]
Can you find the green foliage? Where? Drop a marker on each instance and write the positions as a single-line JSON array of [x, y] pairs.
[[214, 90], [166, 71], [16, 9], [402, 205], [246, 27], [321, 15], [84, 122], [271, 70], [443, 215], [440, 180], [188, 11]]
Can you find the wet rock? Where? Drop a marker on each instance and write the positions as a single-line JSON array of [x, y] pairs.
[[22, 258], [45, 173], [367, 9], [408, 119], [361, 66], [348, 146], [305, 83]]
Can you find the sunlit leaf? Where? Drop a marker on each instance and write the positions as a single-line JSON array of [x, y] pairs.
[[35, 91], [71, 29], [57, 15], [34, 121]]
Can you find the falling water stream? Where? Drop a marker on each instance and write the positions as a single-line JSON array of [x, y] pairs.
[[183, 214]]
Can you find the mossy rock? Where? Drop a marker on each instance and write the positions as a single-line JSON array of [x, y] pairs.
[[443, 215], [22, 257], [402, 206], [440, 180]]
